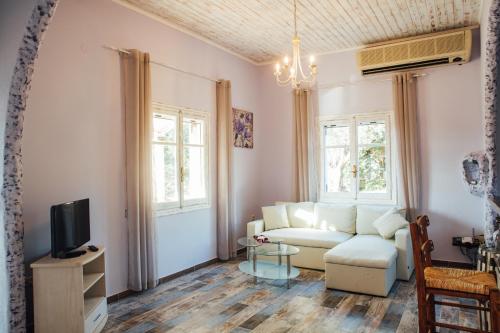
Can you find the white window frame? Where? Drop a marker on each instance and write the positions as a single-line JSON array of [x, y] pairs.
[[182, 205], [354, 195]]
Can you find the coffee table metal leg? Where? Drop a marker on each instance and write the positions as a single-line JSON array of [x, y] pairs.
[[288, 269], [254, 259]]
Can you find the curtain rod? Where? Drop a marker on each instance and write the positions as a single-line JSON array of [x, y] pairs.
[[162, 64], [352, 83]]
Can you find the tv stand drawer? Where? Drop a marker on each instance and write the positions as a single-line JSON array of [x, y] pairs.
[[97, 315]]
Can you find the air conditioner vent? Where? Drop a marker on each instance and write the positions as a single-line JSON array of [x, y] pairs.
[[449, 44], [424, 51], [423, 48], [372, 57], [396, 52]]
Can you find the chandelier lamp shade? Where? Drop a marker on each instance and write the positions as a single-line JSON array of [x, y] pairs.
[[291, 73]]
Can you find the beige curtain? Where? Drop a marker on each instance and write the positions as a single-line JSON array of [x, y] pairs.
[[138, 137], [405, 111], [305, 147], [226, 242]]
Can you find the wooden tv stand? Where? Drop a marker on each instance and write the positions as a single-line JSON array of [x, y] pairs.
[[70, 294]]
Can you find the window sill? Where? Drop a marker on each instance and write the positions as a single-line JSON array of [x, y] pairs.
[[176, 211], [363, 201]]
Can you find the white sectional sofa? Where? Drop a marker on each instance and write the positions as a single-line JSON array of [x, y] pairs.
[[343, 241]]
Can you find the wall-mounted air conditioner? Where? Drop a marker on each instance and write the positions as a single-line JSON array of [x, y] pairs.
[[416, 52]]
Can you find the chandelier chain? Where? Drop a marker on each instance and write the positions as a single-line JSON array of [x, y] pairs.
[[291, 72], [295, 17]]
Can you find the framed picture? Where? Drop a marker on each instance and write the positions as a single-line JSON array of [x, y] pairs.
[[242, 128]]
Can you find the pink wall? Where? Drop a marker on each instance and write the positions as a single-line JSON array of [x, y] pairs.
[[73, 144], [451, 125]]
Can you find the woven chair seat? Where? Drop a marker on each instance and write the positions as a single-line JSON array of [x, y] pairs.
[[464, 280]]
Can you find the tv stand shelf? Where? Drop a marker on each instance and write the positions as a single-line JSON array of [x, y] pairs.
[[70, 294], [90, 279]]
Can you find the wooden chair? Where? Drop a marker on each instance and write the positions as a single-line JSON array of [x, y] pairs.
[[450, 282]]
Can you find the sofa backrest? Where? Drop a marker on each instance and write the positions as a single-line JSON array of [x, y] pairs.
[[301, 214], [335, 217], [365, 217], [348, 218]]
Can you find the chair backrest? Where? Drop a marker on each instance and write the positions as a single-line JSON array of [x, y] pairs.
[[422, 248], [423, 223]]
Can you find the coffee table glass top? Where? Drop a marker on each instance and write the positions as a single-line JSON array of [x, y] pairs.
[[273, 249], [248, 242]]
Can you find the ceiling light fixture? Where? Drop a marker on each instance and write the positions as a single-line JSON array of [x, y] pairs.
[[296, 77]]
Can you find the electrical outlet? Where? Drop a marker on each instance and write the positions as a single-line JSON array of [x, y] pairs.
[[456, 241]]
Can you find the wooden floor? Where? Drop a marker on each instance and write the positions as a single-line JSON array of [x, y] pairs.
[[220, 298]]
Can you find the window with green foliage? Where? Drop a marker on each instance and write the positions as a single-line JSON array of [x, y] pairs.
[[356, 158], [180, 158]]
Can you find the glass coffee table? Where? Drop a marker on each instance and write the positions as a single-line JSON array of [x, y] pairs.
[[267, 269]]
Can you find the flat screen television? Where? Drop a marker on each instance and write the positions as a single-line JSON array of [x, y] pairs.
[[70, 228]]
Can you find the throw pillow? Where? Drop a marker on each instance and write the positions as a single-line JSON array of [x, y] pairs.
[[275, 217], [389, 223], [335, 217], [364, 219], [300, 215]]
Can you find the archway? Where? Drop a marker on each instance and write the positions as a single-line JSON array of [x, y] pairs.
[[41, 16]]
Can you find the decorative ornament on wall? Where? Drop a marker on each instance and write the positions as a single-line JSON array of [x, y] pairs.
[[475, 172], [242, 129]]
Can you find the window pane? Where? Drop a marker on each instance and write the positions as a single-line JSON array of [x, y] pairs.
[[165, 173], [372, 175], [194, 173], [164, 128], [336, 135], [337, 170], [371, 133], [193, 131]]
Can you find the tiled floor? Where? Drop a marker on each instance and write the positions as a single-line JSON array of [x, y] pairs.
[[220, 298]]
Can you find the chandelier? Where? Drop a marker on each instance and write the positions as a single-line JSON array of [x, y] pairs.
[[292, 73]]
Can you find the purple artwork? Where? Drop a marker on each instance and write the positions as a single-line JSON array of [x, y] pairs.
[[243, 128]]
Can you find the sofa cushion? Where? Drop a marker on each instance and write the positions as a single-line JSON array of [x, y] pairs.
[[364, 251], [279, 203], [366, 215], [335, 217], [300, 215], [275, 217], [389, 223], [308, 237]]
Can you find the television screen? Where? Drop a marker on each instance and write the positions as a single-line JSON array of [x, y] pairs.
[[70, 226]]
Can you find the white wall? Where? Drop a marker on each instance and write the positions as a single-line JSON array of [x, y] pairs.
[[451, 125], [14, 16], [73, 143]]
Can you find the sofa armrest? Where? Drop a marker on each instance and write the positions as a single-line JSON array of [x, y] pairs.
[[405, 265], [255, 228]]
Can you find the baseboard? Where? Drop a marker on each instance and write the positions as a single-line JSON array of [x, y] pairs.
[[123, 294], [187, 270], [452, 264], [119, 296]]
